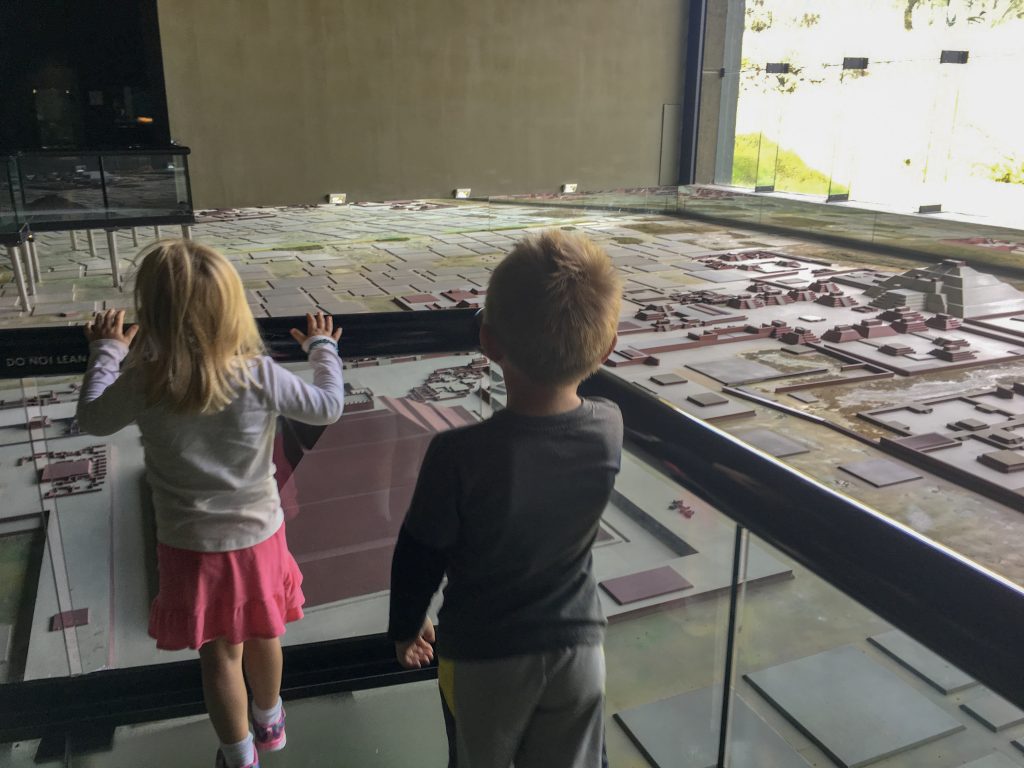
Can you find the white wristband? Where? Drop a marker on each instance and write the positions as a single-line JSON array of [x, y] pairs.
[[313, 342]]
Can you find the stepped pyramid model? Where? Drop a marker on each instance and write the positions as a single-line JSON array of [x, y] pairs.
[[950, 288], [345, 490]]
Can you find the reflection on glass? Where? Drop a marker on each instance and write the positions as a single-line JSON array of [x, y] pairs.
[[62, 187], [818, 675], [145, 185], [82, 605]]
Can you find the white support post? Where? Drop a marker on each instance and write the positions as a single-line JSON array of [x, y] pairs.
[[156, 232], [115, 270], [34, 254], [26, 261], [135, 237], [74, 240], [14, 254], [92, 242], [186, 231]]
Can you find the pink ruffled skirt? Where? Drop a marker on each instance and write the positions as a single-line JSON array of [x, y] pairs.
[[239, 595]]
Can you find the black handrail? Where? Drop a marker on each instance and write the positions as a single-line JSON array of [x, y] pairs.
[[62, 350]]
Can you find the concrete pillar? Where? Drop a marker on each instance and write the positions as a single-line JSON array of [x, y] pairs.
[[115, 270], [186, 231], [135, 237], [156, 232], [92, 242], [74, 240], [14, 254]]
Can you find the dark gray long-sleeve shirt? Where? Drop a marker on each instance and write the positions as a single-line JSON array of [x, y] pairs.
[[509, 509]]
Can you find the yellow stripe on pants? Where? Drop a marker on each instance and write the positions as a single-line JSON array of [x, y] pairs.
[[446, 682]]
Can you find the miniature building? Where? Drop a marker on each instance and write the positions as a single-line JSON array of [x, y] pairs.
[[706, 399], [745, 302], [836, 300], [873, 329], [952, 350], [841, 333], [904, 320], [67, 470], [802, 295], [943, 322], [824, 286], [950, 288], [78, 617], [778, 331], [1006, 437], [630, 356], [896, 350], [462, 295], [1003, 461], [666, 379], [970, 425], [451, 383], [799, 336]]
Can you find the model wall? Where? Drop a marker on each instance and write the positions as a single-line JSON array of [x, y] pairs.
[[283, 101]]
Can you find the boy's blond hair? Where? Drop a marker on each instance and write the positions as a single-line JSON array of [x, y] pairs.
[[196, 331], [553, 306]]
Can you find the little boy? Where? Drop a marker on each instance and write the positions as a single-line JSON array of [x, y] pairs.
[[509, 509]]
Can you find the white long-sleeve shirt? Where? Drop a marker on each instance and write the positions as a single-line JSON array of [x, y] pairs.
[[212, 474]]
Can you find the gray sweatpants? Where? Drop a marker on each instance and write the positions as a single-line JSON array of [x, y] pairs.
[[542, 710]]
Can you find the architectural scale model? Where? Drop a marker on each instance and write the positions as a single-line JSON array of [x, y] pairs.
[[902, 386]]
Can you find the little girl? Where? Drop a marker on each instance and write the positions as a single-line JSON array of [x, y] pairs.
[[206, 399]]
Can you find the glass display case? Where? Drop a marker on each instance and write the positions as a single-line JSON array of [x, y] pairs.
[[54, 190]]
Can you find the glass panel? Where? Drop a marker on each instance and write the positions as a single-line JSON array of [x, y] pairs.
[[62, 187], [356, 728], [37, 632], [821, 679], [146, 185], [10, 195], [344, 489]]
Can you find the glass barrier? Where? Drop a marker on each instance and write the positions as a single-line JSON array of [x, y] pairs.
[[344, 490], [821, 680], [140, 185], [377, 728], [9, 193]]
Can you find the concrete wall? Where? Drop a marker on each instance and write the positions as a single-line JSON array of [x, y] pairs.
[[283, 101]]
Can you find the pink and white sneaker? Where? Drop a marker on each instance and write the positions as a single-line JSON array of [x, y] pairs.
[[270, 738]]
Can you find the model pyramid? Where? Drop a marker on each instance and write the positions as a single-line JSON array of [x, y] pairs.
[[950, 288]]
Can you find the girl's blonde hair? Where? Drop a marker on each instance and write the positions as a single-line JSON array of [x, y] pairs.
[[196, 332]]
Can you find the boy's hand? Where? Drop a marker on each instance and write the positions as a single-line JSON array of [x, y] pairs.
[[317, 325], [110, 325], [416, 653]]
